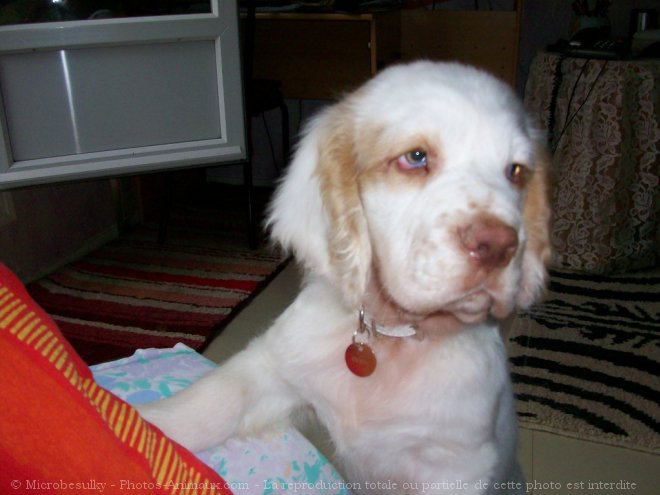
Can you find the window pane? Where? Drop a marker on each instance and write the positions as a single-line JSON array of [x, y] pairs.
[[30, 11]]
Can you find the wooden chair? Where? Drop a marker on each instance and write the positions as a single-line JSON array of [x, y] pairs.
[[260, 96]]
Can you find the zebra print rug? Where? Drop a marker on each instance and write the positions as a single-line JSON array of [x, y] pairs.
[[585, 362]]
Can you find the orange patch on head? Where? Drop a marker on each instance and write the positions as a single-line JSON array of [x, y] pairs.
[[348, 242], [536, 209], [536, 215]]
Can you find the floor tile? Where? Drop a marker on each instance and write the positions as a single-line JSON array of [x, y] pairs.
[[563, 466]]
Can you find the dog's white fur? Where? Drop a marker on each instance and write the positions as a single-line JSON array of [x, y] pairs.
[[368, 231]]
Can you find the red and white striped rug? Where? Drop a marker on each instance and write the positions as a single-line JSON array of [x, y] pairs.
[[136, 293]]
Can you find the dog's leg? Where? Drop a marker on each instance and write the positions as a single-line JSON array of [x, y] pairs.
[[242, 396]]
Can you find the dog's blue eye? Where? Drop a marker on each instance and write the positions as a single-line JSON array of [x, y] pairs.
[[412, 160]]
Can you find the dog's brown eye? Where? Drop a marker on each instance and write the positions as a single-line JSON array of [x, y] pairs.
[[516, 174], [412, 160]]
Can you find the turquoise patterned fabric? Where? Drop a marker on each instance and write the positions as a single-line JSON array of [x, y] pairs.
[[280, 461]]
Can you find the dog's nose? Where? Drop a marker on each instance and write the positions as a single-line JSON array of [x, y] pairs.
[[489, 243]]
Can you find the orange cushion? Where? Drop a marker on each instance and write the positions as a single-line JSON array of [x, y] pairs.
[[61, 432]]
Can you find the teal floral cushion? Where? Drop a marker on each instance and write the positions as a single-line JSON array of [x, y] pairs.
[[282, 460]]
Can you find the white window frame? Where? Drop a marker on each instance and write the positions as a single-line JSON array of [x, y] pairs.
[[220, 26]]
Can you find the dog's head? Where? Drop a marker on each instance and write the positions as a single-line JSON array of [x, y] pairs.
[[429, 179]]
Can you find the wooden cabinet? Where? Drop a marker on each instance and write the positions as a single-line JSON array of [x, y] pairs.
[[320, 56], [487, 39]]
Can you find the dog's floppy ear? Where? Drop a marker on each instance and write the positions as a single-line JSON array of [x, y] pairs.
[[536, 215], [317, 213]]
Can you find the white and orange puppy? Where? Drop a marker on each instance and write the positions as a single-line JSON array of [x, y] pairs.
[[419, 201]]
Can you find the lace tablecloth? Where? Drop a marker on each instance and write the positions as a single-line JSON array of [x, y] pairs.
[[606, 167]]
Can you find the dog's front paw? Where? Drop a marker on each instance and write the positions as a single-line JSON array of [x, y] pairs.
[[175, 425], [154, 413]]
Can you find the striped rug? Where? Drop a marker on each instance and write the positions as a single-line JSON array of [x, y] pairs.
[[136, 293], [586, 362]]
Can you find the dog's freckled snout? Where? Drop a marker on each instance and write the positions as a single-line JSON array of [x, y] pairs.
[[491, 244]]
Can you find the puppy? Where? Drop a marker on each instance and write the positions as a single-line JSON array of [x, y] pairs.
[[417, 207]]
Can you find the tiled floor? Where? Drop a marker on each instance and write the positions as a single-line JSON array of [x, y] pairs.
[[552, 464]]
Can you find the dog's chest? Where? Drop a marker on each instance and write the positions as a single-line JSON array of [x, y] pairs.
[[435, 385], [417, 385]]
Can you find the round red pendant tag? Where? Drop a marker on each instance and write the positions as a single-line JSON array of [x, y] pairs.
[[360, 359]]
